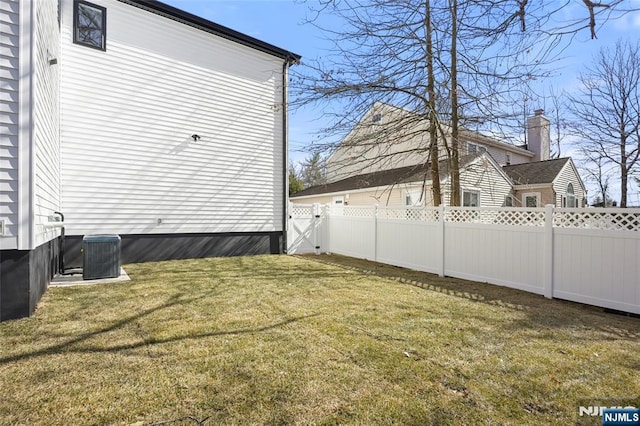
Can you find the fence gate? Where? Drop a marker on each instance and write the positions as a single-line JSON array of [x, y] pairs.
[[303, 233]]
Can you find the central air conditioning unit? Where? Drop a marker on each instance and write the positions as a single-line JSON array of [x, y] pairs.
[[100, 256]]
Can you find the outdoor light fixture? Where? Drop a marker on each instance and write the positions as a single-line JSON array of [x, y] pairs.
[[195, 137]]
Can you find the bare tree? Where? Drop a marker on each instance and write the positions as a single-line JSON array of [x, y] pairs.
[[599, 172], [431, 89], [447, 64], [559, 122], [607, 111]]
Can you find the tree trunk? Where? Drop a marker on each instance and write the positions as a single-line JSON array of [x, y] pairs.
[[454, 161], [433, 134], [624, 172]]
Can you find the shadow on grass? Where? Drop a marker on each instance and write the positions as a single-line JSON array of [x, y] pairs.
[[539, 311], [67, 346]]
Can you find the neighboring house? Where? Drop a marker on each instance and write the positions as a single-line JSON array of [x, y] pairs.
[[392, 171], [139, 119], [483, 182], [554, 182]]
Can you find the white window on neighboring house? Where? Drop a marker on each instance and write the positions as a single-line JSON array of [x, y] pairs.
[[531, 199], [508, 201], [571, 197], [470, 198], [412, 198], [471, 148]]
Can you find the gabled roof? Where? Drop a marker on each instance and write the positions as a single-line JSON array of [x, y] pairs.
[[195, 21], [538, 172], [410, 118], [409, 174]]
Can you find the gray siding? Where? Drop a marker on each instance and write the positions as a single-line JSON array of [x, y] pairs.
[[9, 106], [129, 164]]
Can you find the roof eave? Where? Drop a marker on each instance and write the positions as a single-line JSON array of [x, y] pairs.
[[195, 21]]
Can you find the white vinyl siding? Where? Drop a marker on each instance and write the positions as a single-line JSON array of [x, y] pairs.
[[481, 175], [128, 116], [29, 115], [500, 155], [46, 118], [566, 176], [398, 140], [9, 108]]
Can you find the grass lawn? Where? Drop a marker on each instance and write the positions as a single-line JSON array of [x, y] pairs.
[[309, 340]]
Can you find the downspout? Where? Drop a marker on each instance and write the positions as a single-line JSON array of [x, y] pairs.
[[285, 155], [289, 60]]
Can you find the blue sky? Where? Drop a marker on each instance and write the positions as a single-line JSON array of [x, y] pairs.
[[282, 23]]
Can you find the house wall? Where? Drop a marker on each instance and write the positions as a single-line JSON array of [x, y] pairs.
[[29, 122], [500, 155], [46, 120], [398, 139], [29, 152], [390, 197], [320, 199], [567, 175], [481, 175], [129, 164], [546, 193], [9, 106]]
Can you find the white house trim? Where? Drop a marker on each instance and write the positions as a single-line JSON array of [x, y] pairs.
[[533, 186], [26, 166]]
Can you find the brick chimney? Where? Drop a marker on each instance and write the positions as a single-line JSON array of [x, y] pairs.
[[539, 135]]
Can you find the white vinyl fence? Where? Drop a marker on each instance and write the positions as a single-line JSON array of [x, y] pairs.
[[585, 255]]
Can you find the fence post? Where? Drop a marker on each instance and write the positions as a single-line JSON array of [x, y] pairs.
[[287, 230], [326, 223], [440, 243], [315, 224], [375, 233], [547, 262]]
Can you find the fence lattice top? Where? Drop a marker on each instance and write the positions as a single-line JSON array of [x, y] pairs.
[[300, 210], [602, 219], [424, 214], [516, 217], [593, 219]]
